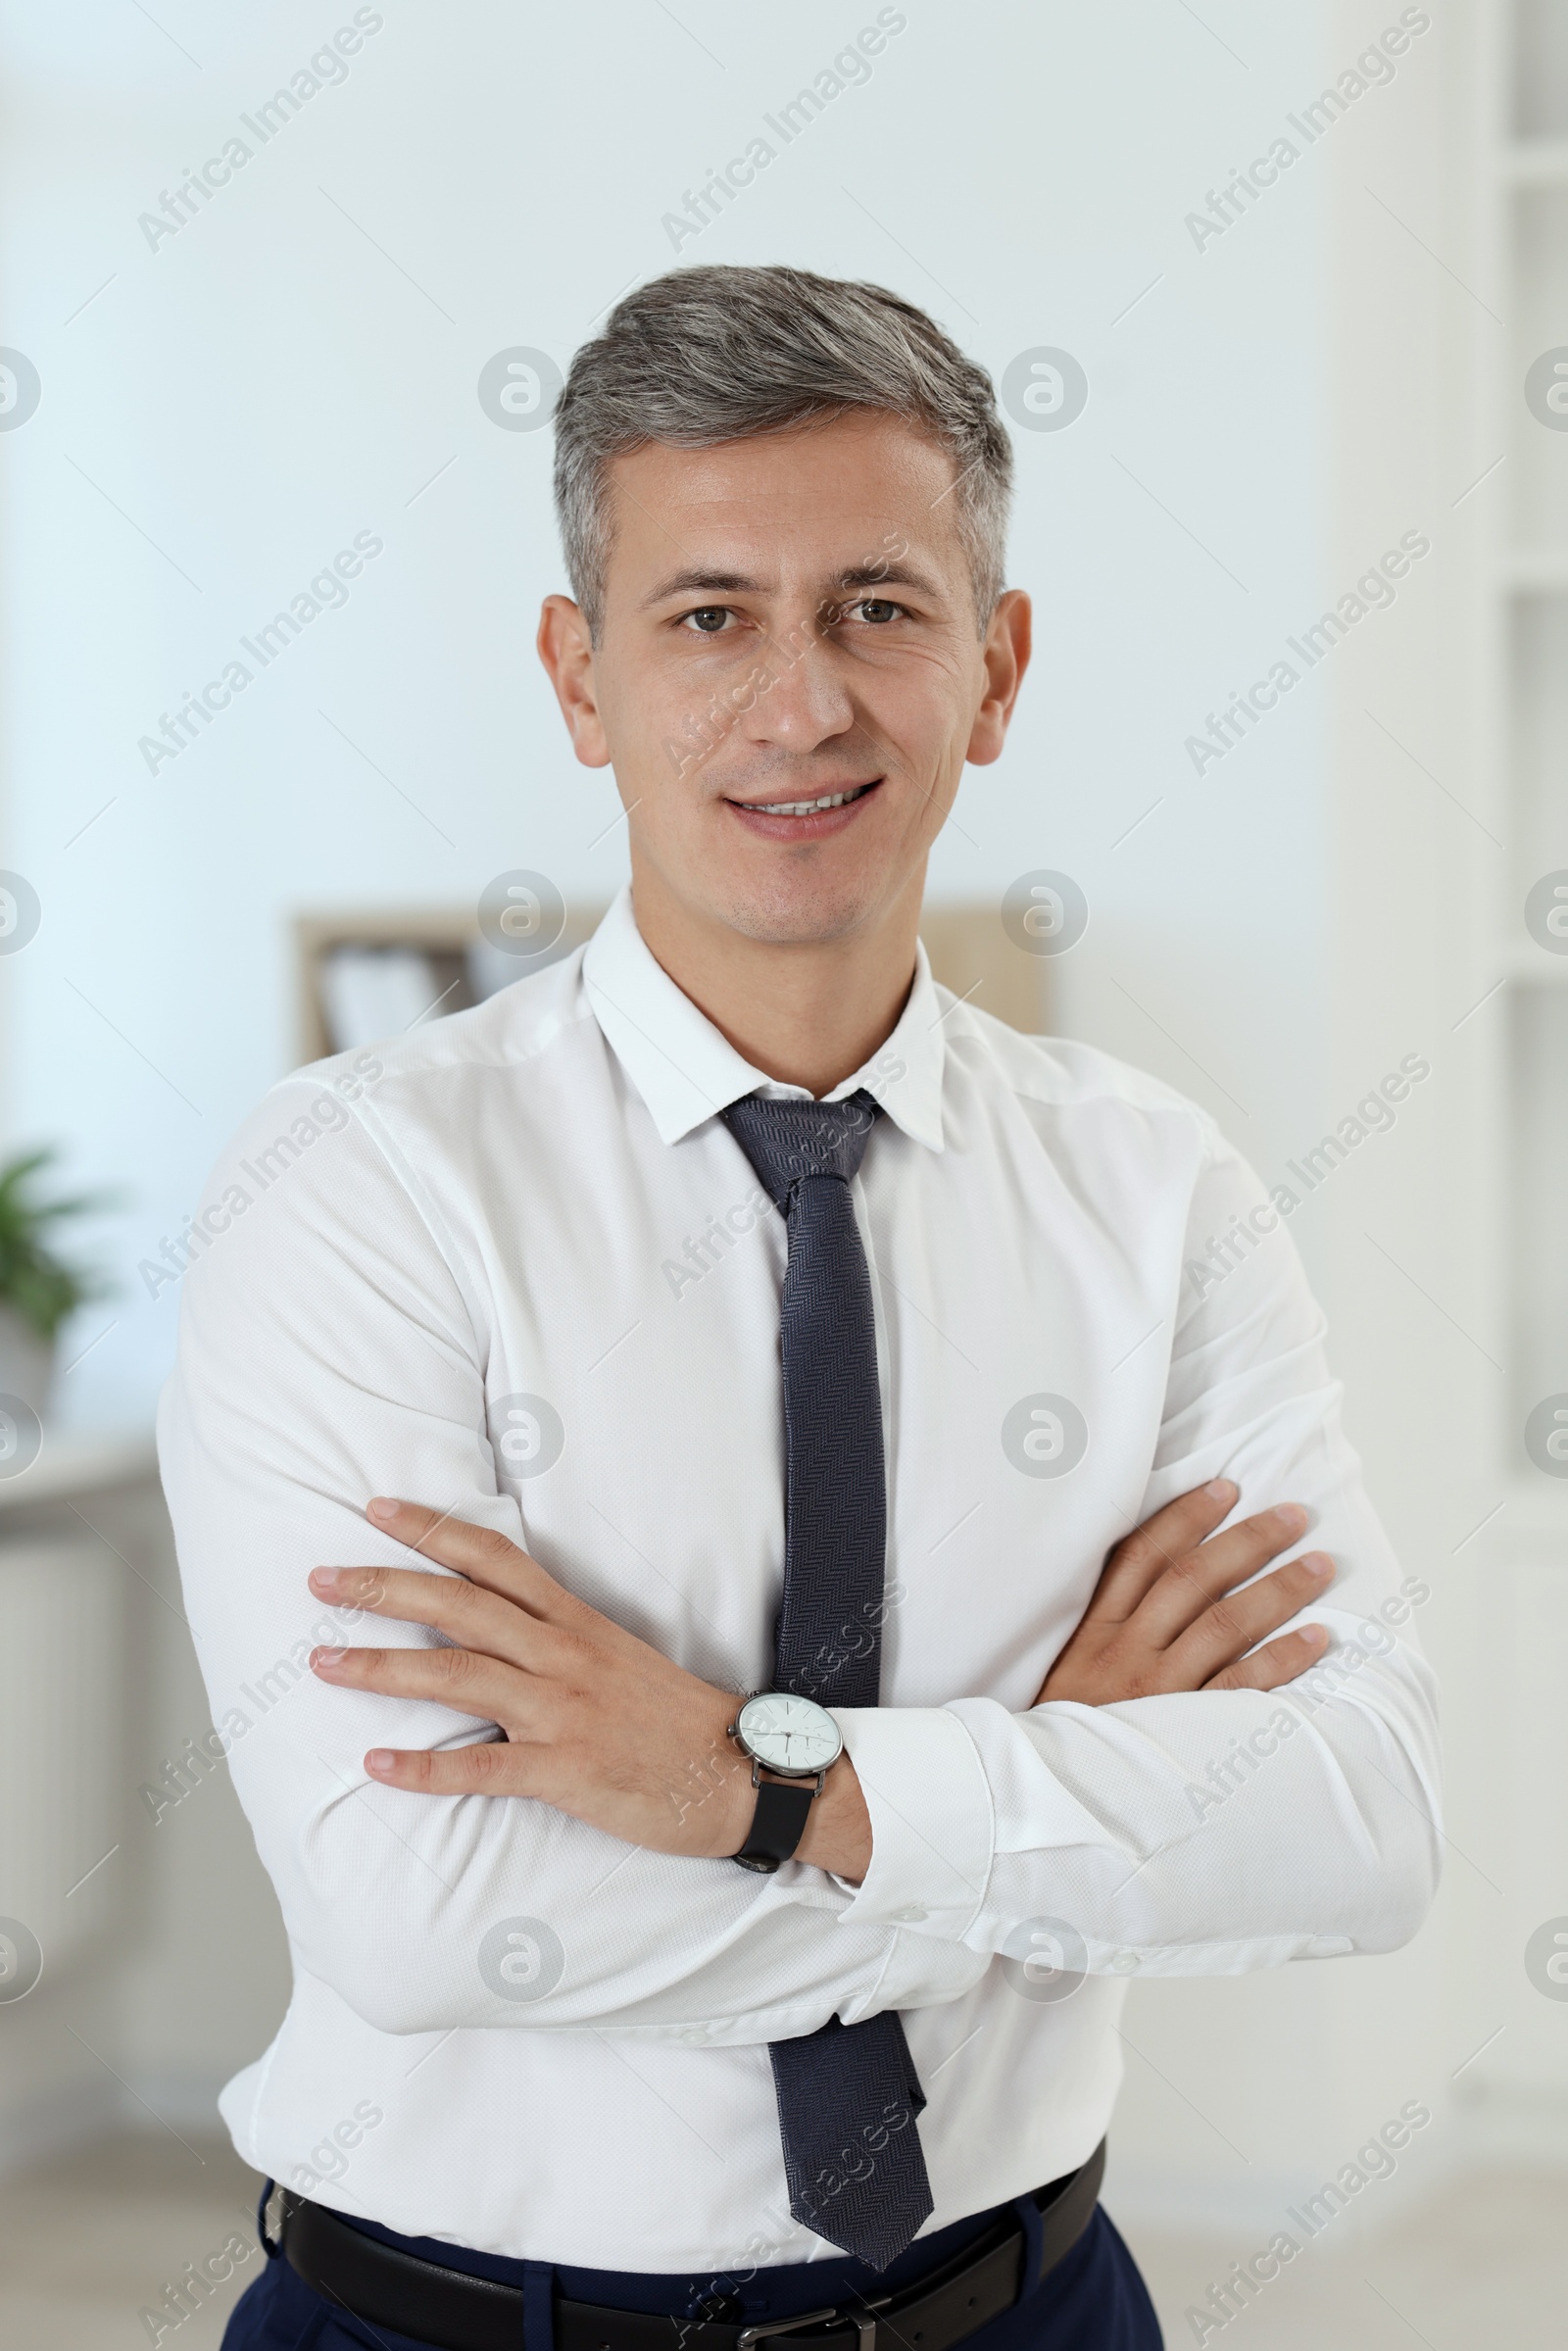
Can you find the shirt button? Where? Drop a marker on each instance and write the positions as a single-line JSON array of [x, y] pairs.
[[695, 2035], [1125, 1963], [912, 1915]]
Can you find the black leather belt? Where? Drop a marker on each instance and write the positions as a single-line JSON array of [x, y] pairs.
[[454, 2311]]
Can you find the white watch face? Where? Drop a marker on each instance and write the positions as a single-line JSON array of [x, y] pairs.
[[789, 1734]]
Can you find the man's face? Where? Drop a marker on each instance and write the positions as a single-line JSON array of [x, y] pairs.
[[789, 621]]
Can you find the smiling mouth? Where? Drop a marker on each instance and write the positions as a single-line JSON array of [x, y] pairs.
[[805, 807]]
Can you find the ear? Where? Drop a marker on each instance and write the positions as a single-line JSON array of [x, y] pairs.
[[1005, 655], [566, 651]]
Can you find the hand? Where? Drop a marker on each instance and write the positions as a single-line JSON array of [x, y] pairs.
[[1160, 1619], [596, 1722]]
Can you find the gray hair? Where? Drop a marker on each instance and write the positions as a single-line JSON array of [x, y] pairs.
[[720, 353]]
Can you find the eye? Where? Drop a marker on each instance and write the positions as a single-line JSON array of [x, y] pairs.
[[707, 621], [876, 611]]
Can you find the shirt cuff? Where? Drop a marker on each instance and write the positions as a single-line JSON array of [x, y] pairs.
[[932, 1827]]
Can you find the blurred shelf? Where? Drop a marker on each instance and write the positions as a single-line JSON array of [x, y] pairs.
[[1534, 163], [1533, 571], [1535, 967], [970, 952], [448, 941], [68, 1466], [1536, 1515]]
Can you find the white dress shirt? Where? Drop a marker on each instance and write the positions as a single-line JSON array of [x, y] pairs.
[[536, 1200]]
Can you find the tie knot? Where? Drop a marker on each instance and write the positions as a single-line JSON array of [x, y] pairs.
[[788, 1141]]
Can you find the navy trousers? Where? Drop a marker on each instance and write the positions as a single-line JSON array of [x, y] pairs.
[[1093, 2300]]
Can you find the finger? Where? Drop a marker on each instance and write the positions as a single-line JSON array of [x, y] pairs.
[[492, 1768], [1237, 1623], [461, 1679], [473, 1617], [1190, 1582], [481, 1553], [1142, 1557], [1278, 1662]]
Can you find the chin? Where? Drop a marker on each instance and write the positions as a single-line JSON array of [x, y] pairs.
[[794, 912]]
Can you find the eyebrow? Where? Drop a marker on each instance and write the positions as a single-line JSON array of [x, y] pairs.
[[891, 575], [700, 581]]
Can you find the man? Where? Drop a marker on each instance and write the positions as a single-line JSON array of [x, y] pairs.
[[730, 1310]]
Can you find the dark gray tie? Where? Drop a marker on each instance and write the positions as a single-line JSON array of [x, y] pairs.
[[848, 2094]]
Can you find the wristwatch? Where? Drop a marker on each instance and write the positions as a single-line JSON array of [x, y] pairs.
[[796, 1740]]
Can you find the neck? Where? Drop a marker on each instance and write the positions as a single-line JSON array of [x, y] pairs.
[[807, 1012]]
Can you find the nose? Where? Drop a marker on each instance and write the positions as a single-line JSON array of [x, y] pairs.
[[804, 700]]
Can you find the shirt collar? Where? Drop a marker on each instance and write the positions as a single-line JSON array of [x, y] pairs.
[[687, 1072]]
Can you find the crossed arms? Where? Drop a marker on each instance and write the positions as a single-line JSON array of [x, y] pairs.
[[602, 1726], [1176, 1792]]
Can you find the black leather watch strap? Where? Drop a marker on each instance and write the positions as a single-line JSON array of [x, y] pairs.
[[778, 1823]]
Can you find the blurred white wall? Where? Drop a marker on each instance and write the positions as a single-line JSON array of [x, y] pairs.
[[1269, 409], [299, 362]]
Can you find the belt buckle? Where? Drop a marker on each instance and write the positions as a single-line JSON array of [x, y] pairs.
[[865, 2324]]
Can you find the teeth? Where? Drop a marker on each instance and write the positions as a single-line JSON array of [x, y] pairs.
[[807, 808]]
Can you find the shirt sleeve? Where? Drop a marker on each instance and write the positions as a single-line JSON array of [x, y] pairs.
[[1212, 1831], [330, 1350]]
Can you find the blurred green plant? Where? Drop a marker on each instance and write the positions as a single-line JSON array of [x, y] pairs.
[[36, 1284]]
